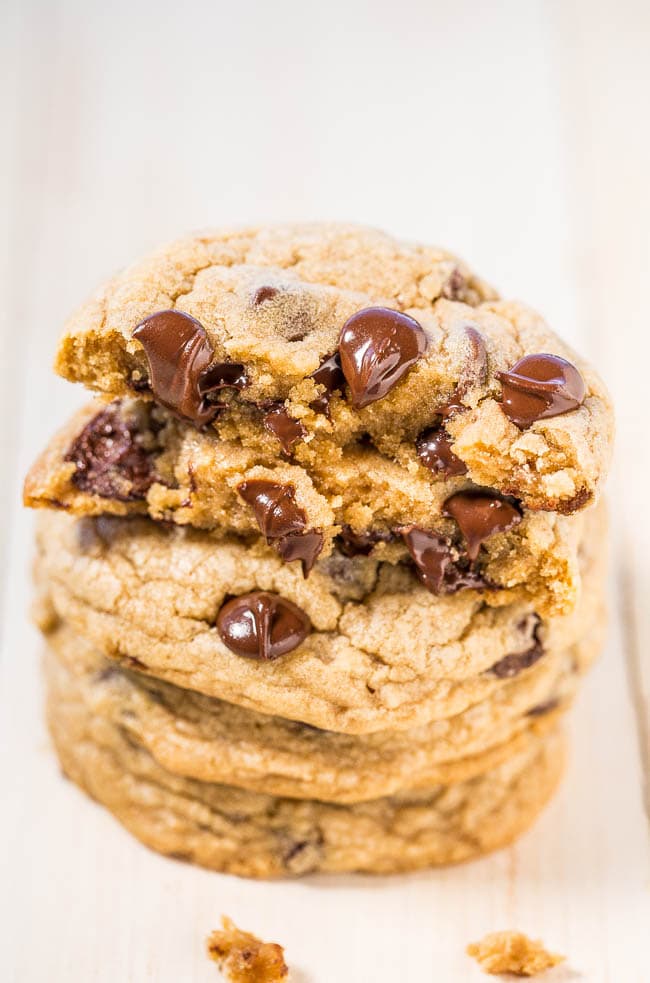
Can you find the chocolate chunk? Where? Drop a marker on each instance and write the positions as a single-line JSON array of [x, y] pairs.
[[542, 708], [377, 347], [275, 507], [283, 426], [178, 352], [540, 386], [474, 373], [111, 458], [330, 375], [434, 450], [352, 543], [439, 566], [262, 625], [282, 521], [263, 294], [481, 513], [305, 547], [512, 665]]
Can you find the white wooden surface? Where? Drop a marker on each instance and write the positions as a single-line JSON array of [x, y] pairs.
[[514, 132]]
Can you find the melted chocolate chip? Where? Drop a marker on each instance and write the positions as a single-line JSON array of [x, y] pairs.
[[439, 566], [283, 426], [434, 450], [282, 521], [480, 514], [352, 543], [178, 352], [275, 507], [222, 375], [473, 373], [540, 386], [377, 347], [111, 459], [262, 625], [263, 294], [330, 375], [305, 547]]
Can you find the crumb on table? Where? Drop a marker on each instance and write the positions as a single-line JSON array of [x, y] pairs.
[[243, 958], [512, 952]]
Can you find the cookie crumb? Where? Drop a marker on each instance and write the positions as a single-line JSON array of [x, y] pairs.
[[243, 958], [512, 952]]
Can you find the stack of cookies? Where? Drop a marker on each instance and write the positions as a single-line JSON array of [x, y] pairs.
[[321, 567]]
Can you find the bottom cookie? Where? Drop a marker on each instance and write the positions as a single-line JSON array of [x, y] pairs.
[[256, 835], [196, 736]]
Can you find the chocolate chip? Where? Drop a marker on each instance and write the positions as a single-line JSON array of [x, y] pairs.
[[512, 665], [434, 450], [304, 856], [283, 426], [475, 368], [111, 459], [178, 352], [352, 543], [330, 375], [275, 507], [377, 347], [262, 625], [480, 514], [222, 375], [439, 566], [348, 574], [138, 384], [263, 294], [305, 547], [282, 521], [453, 288], [542, 708], [106, 674], [540, 386], [473, 373]]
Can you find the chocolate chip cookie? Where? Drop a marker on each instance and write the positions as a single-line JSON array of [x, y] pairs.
[[254, 835], [132, 458], [313, 338], [207, 739], [360, 651], [322, 565]]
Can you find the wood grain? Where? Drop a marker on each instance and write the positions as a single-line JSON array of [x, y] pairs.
[[513, 133]]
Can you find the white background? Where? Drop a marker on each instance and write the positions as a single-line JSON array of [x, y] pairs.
[[513, 132]]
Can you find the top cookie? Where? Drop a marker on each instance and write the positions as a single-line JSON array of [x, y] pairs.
[[325, 336]]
